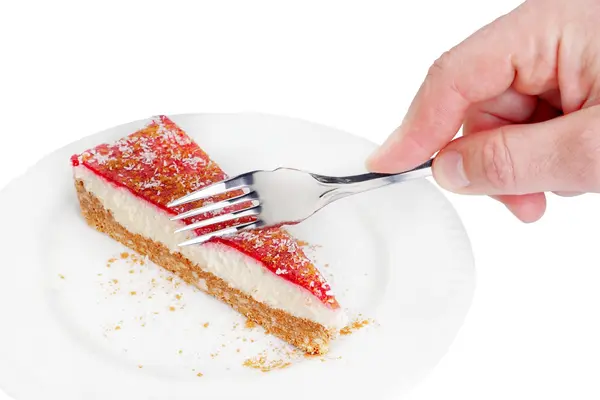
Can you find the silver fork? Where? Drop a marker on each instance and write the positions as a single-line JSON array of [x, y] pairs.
[[283, 196]]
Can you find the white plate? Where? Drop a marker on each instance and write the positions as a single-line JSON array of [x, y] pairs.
[[398, 255]]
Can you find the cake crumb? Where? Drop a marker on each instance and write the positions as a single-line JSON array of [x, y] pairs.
[[311, 356], [61, 276], [178, 296], [118, 328], [238, 350], [131, 271], [354, 326], [115, 281], [133, 293], [263, 364], [136, 259], [199, 374], [205, 324], [140, 366], [180, 352], [124, 255], [171, 308], [250, 324], [304, 243]]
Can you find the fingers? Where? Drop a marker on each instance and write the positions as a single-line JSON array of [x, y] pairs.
[[544, 111], [568, 194], [511, 107], [528, 207], [562, 154], [553, 97], [518, 49], [508, 108], [440, 106]]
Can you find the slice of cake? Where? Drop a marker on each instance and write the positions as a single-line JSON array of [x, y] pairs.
[[124, 189]]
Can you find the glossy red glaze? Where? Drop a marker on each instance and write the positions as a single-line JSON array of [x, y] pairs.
[[161, 163]]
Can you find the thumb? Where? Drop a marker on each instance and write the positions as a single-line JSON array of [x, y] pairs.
[[562, 154]]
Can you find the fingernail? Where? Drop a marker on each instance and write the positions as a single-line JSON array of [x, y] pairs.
[[450, 170]]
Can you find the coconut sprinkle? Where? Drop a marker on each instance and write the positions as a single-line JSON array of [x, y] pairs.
[[160, 163]]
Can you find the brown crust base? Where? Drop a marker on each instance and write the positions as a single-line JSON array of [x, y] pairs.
[[311, 337]]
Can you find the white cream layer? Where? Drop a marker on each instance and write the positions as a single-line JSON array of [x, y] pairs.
[[237, 269]]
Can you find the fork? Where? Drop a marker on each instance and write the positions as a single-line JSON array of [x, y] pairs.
[[283, 196]]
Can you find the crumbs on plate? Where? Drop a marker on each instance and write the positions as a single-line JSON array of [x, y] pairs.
[[354, 326], [262, 363]]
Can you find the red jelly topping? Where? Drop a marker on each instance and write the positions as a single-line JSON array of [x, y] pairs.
[[161, 163]]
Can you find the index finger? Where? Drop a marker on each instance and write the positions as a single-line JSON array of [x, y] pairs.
[[479, 68]]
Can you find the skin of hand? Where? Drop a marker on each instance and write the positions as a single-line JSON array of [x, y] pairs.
[[526, 91]]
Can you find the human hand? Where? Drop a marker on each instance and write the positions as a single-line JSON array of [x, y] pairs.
[[526, 90]]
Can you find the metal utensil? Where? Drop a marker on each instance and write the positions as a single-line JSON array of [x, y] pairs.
[[283, 196]]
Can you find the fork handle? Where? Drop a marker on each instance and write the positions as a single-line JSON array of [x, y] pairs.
[[422, 170], [340, 187]]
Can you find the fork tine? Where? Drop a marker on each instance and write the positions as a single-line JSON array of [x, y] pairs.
[[222, 232], [245, 197], [238, 182], [247, 212]]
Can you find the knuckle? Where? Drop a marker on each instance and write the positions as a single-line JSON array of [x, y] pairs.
[[443, 68], [441, 63], [498, 166], [536, 74]]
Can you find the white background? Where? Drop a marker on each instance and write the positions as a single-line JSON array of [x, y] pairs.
[[70, 69]]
